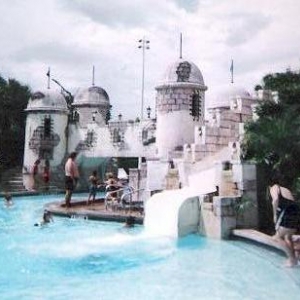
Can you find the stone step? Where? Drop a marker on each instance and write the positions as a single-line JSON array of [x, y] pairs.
[[12, 181]]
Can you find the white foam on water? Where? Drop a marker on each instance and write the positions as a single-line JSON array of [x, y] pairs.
[[80, 246]]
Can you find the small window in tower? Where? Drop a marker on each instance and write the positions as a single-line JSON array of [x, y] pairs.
[[195, 108], [47, 127], [90, 137], [145, 135], [116, 136]]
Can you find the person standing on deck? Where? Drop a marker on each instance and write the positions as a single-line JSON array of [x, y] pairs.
[[286, 214], [46, 174], [94, 181], [35, 174], [71, 177]]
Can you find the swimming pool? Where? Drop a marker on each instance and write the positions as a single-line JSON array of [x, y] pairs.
[[81, 259]]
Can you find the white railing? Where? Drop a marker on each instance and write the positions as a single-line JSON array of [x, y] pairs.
[[122, 199]]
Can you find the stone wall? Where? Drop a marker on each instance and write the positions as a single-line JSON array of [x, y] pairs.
[[218, 218]]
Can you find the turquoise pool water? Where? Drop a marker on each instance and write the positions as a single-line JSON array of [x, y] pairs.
[[81, 259]]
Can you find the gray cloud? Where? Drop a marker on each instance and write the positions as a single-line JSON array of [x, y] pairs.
[[244, 27], [129, 13], [71, 36], [50, 53], [188, 5]]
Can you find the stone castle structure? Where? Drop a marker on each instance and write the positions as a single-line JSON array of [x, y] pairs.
[[179, 147]]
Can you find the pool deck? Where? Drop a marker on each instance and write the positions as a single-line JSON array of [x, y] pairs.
[[261, 238], [94, 211]]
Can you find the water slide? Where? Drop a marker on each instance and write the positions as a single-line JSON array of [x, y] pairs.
[[172, 213], [177, 212]]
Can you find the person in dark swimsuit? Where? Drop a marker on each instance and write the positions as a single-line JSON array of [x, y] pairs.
[[286, 213]]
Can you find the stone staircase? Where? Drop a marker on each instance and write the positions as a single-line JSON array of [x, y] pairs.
[[11, 181]]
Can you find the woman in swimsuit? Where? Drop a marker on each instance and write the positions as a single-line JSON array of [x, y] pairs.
[[286, 214]]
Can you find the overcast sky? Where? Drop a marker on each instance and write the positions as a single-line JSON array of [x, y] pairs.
[[70, 36]]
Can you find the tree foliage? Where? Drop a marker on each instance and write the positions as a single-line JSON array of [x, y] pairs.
[[13, 100], [273, 140]]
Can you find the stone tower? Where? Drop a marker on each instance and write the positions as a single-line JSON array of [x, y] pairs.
[[46, 127], [92, 105], [180, 102]]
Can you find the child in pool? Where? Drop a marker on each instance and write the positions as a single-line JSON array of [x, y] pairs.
[[47, 218], [8, 199]]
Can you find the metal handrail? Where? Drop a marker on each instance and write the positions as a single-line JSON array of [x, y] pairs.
[[116, 191], [130, 193]]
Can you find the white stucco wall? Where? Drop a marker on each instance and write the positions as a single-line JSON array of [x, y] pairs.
[[156, 173], [173, 129], [59, 123], [104, 146]]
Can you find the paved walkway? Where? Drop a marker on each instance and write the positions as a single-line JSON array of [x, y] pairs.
[[95, 211]]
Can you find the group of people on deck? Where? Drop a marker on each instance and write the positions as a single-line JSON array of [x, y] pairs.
[[71, 178], [112, 184]]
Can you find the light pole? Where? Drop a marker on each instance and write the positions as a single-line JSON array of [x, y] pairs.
[[143, 44]]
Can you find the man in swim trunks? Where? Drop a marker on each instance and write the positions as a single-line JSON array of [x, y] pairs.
[[71, 177]]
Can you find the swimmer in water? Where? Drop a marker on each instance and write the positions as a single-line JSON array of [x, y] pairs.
[[47, 218], [130, 221], [8, 199]]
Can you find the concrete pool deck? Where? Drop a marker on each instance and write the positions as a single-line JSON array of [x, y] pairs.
[[94, 211], [261, 238], [257, 236]]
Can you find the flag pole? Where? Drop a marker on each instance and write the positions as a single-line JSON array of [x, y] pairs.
[[231, 71], [48, 75], [180, 46], [93, 81]]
